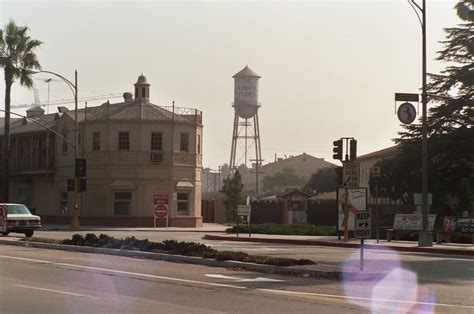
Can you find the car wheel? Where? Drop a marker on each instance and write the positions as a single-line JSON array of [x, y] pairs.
[[4, 234], [29, 234]]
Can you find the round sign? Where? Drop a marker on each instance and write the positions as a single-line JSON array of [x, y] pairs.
[[161, 211], [406, 113], [3, 212]]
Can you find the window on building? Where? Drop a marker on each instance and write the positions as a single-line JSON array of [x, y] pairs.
[[96, 141], [183, 204], [122, 202], [184, 142], [143, 92], [156, 141], [199, 145], [63, 203], [124, 141], [65, 141]]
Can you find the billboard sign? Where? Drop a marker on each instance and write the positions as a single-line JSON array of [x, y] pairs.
[[356, 201]]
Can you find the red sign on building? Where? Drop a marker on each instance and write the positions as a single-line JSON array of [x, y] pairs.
[[160, 199]]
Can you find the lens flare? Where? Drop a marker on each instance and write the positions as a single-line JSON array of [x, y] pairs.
[[385, 285]]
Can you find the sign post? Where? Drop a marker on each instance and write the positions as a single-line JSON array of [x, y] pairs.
[[160, 207], [244, 210], [362, 231], [3, 218], [375, 173]]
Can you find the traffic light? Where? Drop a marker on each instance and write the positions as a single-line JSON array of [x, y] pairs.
[[337, 150], [353, 150], [80, 168]]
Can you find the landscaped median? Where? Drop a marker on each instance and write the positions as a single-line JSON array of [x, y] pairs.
[[188, 252]]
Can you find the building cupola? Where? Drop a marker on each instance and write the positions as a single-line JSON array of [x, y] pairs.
[[142, 89]]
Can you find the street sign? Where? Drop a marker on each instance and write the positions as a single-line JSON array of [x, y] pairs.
[[350, 175], [375, 172], [160, 199], [406, 113], [161, 211], [362, 225], [244, 210], [3, 218], [406, 97]]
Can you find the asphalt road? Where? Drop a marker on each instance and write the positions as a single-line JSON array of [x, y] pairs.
[[430, 267], [49, 281]]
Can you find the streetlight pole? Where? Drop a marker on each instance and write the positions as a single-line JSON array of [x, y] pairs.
[[425, 237], [75, 217]]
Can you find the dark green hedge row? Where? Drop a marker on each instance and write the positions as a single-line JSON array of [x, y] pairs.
[[178, 248], [295, 229]]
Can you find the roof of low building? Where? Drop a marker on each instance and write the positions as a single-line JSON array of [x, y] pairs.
[[383, 153]]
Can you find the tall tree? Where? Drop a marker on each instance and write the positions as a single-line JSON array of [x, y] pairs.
[[323, 180], [17, 58], [285, 178], [450, 126], [233, 191]]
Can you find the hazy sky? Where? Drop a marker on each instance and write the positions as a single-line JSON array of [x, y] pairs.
[[329, 68]]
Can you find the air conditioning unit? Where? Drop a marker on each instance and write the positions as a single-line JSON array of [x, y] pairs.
[[156, 156]]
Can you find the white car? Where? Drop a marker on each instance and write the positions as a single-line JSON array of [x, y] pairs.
[[20, 220]]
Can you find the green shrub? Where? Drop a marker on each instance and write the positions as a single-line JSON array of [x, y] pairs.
[[296, 229], [178, 248]]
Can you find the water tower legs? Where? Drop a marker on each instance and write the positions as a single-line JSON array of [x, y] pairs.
[[246, 136]]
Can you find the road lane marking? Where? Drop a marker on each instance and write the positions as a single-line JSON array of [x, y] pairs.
[[335, 296], [239, 279], [55, 291], [124, 272]]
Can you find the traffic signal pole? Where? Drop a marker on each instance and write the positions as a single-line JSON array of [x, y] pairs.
[[351, 152]]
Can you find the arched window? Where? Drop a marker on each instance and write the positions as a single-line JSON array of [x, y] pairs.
[[143, 92]]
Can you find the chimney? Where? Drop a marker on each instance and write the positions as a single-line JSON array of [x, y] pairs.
[[34, 112]]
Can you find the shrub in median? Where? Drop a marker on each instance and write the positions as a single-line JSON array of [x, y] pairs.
[[178, 248]]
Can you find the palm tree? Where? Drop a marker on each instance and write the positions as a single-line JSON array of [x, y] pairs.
[[17, 58]]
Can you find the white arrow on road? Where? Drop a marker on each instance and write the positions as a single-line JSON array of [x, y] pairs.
[[257, 279]]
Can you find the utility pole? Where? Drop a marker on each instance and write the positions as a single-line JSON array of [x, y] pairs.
[[425, 237]]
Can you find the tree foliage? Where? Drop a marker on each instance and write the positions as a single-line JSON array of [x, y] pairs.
[[233, 191], [281, 180], [323, 180], [17, 58], [450, 129]]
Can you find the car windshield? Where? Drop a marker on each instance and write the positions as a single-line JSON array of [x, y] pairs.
[[18, 209]]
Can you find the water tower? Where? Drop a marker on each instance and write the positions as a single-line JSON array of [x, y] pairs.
[[246, 127]]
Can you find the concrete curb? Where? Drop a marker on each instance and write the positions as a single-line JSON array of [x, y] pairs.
[[358, 276], [345, 245], [131, 230]]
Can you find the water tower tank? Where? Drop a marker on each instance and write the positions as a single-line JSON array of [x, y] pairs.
[[246, 93]]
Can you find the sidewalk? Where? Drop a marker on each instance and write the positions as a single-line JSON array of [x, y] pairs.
[[403, 246], [207, 227]]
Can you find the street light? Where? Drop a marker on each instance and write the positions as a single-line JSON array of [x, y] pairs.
[[425, 237], [75, 218]]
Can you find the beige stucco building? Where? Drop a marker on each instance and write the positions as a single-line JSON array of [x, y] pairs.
[[367, 161], [134, 150]]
